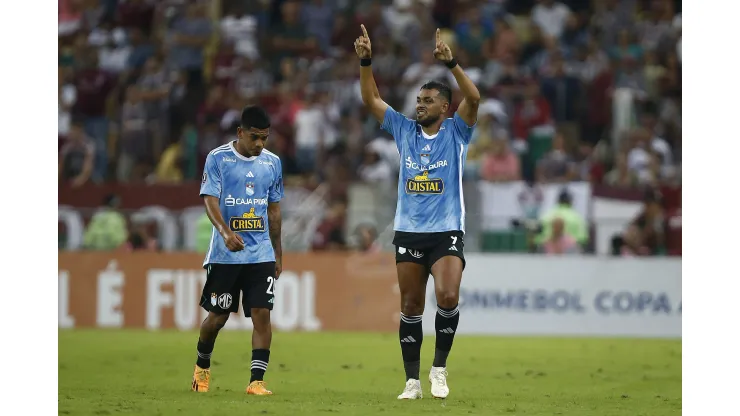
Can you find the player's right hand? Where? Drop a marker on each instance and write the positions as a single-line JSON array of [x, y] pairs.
[[362, 45], [233, 241]]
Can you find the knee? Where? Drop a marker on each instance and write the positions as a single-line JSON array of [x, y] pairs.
[[412, 306], [447, 299], [218, 321]]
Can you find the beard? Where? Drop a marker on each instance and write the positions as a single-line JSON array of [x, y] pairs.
[[428, 120]]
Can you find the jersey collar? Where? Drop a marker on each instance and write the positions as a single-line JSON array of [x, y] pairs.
[[239, 155]]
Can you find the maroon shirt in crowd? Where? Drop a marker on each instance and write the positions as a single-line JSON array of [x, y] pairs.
[[136, 13], [93, 87]]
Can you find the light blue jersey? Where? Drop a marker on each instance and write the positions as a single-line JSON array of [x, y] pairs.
[[244, 187], [430, 193]]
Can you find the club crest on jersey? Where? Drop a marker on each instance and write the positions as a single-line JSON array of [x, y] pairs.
[[425, 158], [248, 222], [250, 188], [423, 184]]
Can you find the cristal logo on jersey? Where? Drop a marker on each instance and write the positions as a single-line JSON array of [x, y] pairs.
[[249, 222], [250, 188], [423, 184]]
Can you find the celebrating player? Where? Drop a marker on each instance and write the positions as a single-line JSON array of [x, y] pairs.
[[242, 187], [430, 214]]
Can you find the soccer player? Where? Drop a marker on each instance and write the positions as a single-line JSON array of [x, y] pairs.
[[430, 214], [242, 187]]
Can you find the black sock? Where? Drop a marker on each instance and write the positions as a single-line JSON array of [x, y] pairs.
[[260, 358], [204, 354], [445, 325], [411, 335]]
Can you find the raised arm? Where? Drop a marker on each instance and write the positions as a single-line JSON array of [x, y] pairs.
[[468, 108], [370, 94]]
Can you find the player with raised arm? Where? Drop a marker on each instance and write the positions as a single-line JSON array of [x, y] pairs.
[[430, 214], [242, 188]]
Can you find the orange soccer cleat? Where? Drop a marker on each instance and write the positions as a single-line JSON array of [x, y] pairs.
[[258, 388], [201, 379]]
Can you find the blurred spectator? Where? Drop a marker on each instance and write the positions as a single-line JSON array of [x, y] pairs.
[[629, 76], [621, 176], [291, 39], [645, 234], [140, 240], [239, 30], [187, 38], [76, 156], [599, 104], [168, 169], [314, 130], [318, 16], [329, 234], [530, 200], [373, 168], [142, 48], [562, 90], [551, 16], [135, 138], [557, 165], [504, 46], [673, 230], [135, 14], [626, 47], [560, 242], [574, 225], [401, 21], [367, 239], [113, 50], [534, 111], [67, 98], [107, 228], [93, 87], [500, 164]]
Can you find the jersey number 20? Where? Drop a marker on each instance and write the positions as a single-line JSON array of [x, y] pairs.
[[270, 283]]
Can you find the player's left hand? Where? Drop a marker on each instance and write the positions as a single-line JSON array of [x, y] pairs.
[[442, 51]]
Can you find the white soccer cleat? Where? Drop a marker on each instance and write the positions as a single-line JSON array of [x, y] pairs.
[[412, 390], [438, 378]]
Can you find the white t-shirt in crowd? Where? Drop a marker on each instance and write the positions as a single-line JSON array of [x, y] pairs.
[[242, 32], [377, 172], [67, 96], [311, 124], [551, 20]]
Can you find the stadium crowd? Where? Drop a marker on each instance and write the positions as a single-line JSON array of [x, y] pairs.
[[573, 90]]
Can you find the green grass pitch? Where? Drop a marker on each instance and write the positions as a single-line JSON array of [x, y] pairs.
[[149, 373]]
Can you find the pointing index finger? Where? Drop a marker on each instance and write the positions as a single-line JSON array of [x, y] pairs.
[[364, 31], [438, 36]]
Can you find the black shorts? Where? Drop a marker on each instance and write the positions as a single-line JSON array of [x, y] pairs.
[[256, 282], [427, 248]]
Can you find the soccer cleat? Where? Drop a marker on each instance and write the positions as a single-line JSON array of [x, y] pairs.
[[412, 390], [438, 378], [201, 379], [258, 388]]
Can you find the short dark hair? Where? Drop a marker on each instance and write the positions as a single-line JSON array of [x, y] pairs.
[[444, 89], [255, 116]]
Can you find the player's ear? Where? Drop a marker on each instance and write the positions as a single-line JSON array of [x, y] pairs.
[[239, 132]]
